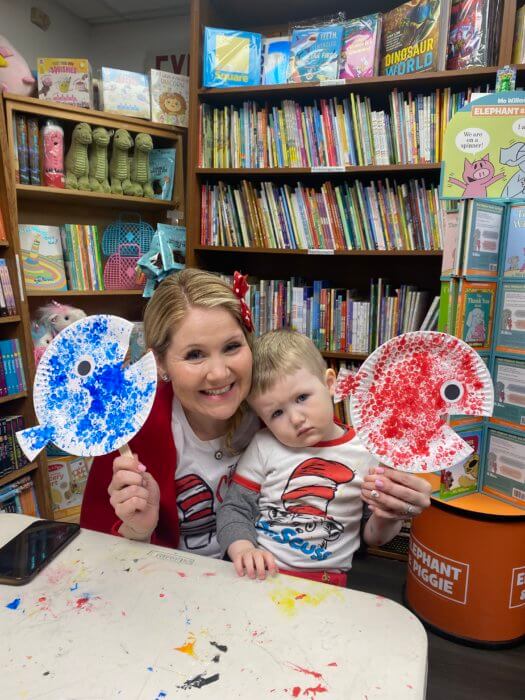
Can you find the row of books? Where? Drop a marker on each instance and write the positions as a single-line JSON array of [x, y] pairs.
[[346, 216], [331, 132], [12, 376], [59, 258], [419, 35], [11, 456], [19, 497], [7, 295], [341, 320], [483, 238]]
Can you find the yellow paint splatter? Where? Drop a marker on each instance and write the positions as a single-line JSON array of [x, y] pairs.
[[189, 646], [288, 600]]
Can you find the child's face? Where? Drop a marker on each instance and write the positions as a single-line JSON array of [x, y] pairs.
[[298, 409]]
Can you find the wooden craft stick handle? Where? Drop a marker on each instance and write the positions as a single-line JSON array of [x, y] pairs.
[[125, 451]]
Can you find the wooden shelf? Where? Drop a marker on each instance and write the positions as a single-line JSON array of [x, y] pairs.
[[322, 253], [9, 319], [58, 110], [344, 355], [87, 293], [376, 85], [349, 170], [13, 397], [8, 478], [57, 195]]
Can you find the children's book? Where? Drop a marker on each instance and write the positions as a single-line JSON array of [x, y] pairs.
[[509, 392], [276, 53], [162, 169], [448, 305], [42, 257], [482, 239], [66, 80], [518, 49], [414, 37], [169, 98], [476, 303], [504, 467], [231, 58], [510, 331], [468, 38], [514, 258], [314, 53], [125, 92], [361, 45], [462, 478], [452, 230]]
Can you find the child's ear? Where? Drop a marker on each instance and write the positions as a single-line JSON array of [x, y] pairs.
[[330, 379]]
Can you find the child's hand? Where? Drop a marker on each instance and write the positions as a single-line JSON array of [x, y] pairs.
[[395, 495], [135, 496], [255, 562]]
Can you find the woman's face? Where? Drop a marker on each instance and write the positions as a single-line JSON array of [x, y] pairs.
[[209, 363]]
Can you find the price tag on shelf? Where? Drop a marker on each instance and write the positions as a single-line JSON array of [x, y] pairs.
[[321, 251], [328, 169], [334, 81]]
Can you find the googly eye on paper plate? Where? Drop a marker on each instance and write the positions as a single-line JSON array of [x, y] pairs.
[[404, 391], [87, 401]]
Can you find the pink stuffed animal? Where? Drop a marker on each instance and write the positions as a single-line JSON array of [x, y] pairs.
[[55, 317], [15, 75]]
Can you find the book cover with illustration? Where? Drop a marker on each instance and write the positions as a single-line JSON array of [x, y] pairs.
[[314, 53], [514, 256], [42, 258], [452, 224], [414, 37], [510, 324], [474, 320], [231, 58], [504, 466], [125, 92], [468, 37], [169, 98], [360, 50], [162, 169], [462, 478], [482, 239], [66, 80], [276, 54], [509, 392]]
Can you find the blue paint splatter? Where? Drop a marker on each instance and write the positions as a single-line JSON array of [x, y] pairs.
[[161, 695], [150, 668], [75, 587], [13, 605]]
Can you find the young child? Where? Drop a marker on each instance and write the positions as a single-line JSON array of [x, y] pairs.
[[295, 501]]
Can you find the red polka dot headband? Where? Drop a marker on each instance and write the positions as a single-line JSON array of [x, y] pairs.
[[240, 287]]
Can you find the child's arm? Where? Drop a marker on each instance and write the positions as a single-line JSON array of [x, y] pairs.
[[236, 532]]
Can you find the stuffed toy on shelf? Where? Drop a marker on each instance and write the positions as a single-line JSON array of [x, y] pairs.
[[50, 320], [98, 160], [139, 167], [119, 163], [15, 75], [77, 162]]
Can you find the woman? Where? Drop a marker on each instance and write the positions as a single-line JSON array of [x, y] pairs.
[[184, 455]]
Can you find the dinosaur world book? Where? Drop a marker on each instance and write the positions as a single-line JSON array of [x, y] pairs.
[[414, 37]]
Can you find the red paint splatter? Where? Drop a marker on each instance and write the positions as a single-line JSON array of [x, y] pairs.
[[42, 599], [209, 573], [123, 613], [300, 596], [296, 691], [81, 602], [410, 686], [313, 691], [307, 671], [332, 664], [162, 595], [181, 574]]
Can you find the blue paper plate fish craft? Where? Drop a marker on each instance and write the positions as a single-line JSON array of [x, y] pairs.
[[87, 402]]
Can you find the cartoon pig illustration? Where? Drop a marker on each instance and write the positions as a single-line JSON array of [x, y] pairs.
[[15, 75], [478, 175]]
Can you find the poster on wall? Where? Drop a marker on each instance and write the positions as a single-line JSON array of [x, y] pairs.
[[484, 149]]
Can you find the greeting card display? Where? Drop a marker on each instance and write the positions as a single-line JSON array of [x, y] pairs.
[[86, 402]]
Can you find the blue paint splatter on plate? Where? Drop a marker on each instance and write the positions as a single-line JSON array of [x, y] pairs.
[[14, 604]]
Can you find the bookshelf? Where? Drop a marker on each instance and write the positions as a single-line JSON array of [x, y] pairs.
[[353, 268], [18, 327], [31, 204]]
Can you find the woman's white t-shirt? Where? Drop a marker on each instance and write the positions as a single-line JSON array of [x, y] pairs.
[[203, 471]]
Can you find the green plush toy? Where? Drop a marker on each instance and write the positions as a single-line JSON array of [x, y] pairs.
[[98, 160], [119, 163], [77, 163], [139, 168]]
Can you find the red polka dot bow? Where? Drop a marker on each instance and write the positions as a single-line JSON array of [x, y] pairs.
[[240, 287]]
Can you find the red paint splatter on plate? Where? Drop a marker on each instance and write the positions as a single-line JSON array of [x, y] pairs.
[[306, 671]]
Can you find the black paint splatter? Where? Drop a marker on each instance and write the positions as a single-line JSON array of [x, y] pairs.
[[216, 659], [46, 673], [220, 647], [127, 570], [198, 682]]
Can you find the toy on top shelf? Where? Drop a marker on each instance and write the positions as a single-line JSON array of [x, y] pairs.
[[15, 75], [139, 166], [119, 170], [98, 160], [77, 161]]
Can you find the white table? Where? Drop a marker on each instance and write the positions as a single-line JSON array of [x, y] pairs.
[[110, 618]]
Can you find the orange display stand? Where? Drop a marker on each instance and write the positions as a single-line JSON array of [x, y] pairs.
[[466, 570]]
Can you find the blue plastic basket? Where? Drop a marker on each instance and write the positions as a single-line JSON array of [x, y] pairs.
[[129, 228]]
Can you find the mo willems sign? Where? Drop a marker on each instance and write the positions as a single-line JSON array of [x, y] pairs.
[[443, 576]]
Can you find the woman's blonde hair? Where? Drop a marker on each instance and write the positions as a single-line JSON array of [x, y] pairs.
[[170, 303], [279, 353]]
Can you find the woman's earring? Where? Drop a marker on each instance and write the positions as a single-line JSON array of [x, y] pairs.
[[164, 377]]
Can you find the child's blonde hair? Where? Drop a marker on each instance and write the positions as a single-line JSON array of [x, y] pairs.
[[279, 353], [170, 303]]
